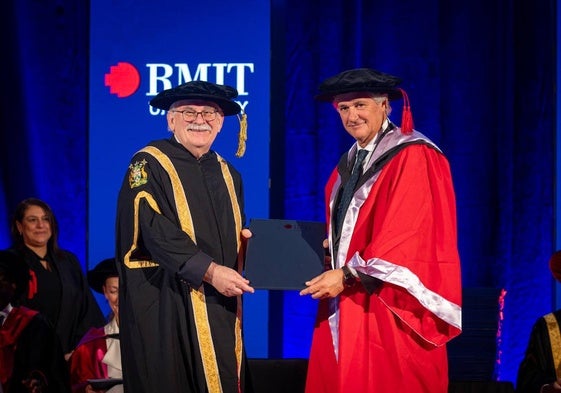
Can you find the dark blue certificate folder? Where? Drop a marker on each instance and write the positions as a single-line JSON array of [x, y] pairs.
[[283, 254]]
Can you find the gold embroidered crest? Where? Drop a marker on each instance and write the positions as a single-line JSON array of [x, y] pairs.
[[137, 174]]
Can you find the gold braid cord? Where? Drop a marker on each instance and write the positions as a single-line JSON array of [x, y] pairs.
[[242, 136]]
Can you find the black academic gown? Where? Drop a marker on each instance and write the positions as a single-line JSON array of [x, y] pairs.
[[36, 352], [74, 310], [537, 368], [175, 215]]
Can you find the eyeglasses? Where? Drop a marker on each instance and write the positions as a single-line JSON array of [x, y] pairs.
[[190, 115]]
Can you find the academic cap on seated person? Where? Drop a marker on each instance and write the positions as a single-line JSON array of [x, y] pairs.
[[101, 272], [222, 95], [371, 81], [15, 270]]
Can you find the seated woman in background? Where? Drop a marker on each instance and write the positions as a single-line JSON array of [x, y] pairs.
[[31, 359], [98, 356], [58, 288]]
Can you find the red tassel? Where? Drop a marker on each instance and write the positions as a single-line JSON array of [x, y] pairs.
[[32, 284], [406, 115]]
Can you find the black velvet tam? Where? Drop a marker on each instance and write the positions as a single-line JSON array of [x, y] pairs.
[[222, 95], [101, 272], [359, 80]]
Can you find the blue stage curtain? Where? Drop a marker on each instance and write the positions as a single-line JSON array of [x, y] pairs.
[[43, 120], [481, 79]]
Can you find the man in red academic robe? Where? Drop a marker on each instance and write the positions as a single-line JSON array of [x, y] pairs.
[[392, 298]]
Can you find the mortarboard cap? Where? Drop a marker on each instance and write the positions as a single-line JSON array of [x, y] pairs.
[[101, 272], [222, 95], [367, 80], [357, 80]]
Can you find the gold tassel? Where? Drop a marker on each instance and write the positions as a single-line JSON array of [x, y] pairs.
[[242, 136]]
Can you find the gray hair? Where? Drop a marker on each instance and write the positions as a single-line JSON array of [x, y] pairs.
[[380, 98]]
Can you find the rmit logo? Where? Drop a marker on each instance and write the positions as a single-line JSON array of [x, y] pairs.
[[123, 79]]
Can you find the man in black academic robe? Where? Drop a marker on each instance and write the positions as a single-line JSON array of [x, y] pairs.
[[179, 249]]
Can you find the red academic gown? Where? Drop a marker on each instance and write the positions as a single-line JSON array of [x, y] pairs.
[[400, 229], [86, 360]]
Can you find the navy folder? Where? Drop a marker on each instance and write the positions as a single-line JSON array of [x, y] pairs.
[[284, 254], [104, 383]]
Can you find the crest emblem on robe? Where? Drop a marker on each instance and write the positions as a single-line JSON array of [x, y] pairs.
[[137, 174]]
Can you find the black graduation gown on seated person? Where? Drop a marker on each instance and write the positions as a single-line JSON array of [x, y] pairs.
[[76, 310], [164, 315], [537, 368], [37, 354]]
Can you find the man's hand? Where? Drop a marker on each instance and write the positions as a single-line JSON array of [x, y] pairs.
[[327, 285], [246, 234], [227, 281], [36, 382], [552, 387], [90, 389], [327, 257]]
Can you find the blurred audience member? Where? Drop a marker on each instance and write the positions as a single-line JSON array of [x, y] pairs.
[[57, 288], [98, 356], [31, 359]]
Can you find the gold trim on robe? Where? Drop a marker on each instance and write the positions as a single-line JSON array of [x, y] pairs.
[[555, 341], [204, 336]]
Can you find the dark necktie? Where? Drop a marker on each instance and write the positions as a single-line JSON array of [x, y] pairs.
[[349, 189]]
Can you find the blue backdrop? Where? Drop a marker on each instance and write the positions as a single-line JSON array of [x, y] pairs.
[[129, 66], [481, 77]]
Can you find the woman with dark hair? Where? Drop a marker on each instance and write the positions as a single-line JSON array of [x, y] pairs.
[[58, 287]]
